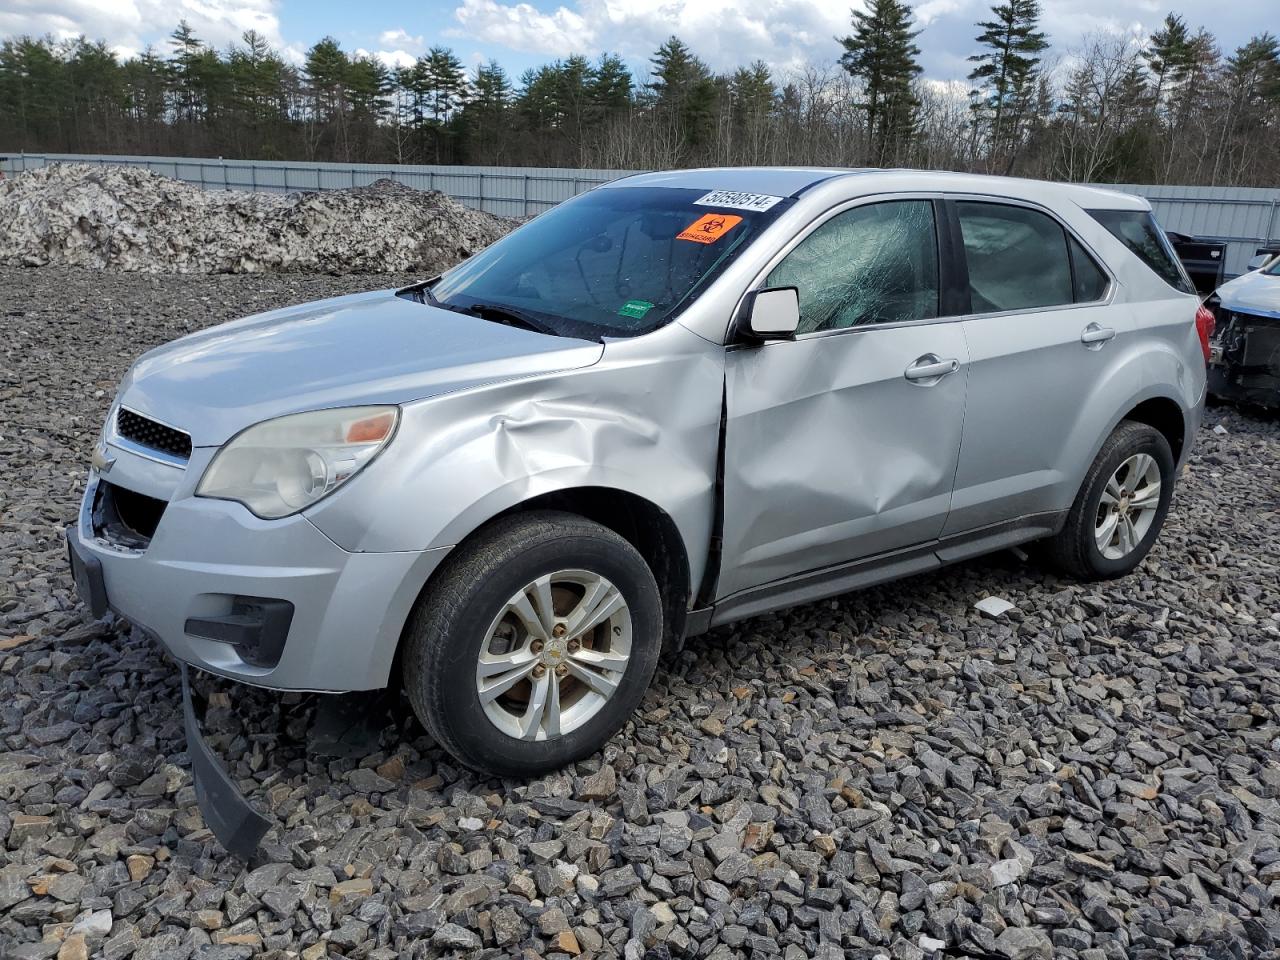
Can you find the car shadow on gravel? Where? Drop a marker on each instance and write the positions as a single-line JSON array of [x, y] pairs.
[[273, 736]]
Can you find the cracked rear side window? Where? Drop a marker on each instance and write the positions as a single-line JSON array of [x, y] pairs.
[[876, 263]]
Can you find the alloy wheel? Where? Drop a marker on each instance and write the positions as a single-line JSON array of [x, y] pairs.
[[554, 655], [1128, 506]]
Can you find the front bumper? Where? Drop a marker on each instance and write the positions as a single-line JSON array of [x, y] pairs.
[[1245, 361], [332, 618], [205, 556]]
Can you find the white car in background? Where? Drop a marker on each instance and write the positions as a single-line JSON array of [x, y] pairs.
[[1244, 360]]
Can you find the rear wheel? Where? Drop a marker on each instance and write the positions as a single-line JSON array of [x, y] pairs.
[[1120, 508], [534, 644]]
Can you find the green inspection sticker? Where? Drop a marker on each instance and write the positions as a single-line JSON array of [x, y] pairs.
[[635, 309]]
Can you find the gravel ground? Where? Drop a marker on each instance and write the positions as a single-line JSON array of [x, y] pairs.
[[1092, 775]]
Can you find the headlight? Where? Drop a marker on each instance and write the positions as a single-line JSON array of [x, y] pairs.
[[281, 466]]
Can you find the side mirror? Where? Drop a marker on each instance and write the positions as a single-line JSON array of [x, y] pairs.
[[772, 314], [1258, 262]]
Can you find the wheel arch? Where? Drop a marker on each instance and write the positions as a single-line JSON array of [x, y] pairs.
[[643, 524], [638, 520], [1165, 415]]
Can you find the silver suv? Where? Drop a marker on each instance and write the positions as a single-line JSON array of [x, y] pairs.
[[676, 401]]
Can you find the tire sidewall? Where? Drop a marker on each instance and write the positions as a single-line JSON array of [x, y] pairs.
[[456, 654], [1152, 443]]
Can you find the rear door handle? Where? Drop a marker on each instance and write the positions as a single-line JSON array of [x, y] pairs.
[[930, 369], [1094, 336]]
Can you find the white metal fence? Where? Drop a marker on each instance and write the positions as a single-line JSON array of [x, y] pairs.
[[1244, 218], [506, 191]]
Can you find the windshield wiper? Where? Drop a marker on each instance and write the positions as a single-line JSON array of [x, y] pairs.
[[497, 313], [506, 315]]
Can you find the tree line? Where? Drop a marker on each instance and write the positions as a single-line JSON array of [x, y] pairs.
[[1168, 108]]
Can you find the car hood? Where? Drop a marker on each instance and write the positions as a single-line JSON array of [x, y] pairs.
[[1255, 292], [364, 348]]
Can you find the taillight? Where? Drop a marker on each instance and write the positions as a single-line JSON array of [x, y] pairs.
[[1205, 323]]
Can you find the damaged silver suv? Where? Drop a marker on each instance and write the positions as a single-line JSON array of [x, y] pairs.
[[676, 401]]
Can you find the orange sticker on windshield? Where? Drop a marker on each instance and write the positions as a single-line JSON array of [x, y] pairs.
[[710, 228]]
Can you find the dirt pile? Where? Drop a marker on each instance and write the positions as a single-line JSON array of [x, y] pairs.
[[128, 218]]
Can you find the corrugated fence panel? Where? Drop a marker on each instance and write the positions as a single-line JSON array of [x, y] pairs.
[[1244, 217]]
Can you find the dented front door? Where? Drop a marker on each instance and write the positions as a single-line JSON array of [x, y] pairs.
[[836, 447]]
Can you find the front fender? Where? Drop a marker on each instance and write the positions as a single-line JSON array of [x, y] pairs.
[[645, 420]]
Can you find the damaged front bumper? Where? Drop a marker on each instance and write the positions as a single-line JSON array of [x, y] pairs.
[[232, 819], [1244, 359]]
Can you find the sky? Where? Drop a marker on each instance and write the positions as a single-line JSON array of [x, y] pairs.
[[786, 34]]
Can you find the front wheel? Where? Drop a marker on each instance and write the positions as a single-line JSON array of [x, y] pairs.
[[534, 644], [1120, 508]]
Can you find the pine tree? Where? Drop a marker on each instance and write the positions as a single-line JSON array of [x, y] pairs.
[[882, 54], [683, 93], [446, 83], [1254, 70], [1007, 70], [146, 79], [325, 68], [257, 75], [1169, 55], [609, 85], [486, 115], [753, 98], [183, 70]]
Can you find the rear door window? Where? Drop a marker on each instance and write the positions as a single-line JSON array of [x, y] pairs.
[[1138, 230], [876, 263], [1017, 257]]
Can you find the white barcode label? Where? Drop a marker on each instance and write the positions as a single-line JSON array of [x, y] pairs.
[[737, 201]]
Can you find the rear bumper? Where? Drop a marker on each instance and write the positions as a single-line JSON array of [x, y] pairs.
[[207, 556], [1195, 416]]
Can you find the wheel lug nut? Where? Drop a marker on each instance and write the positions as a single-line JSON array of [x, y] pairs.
[[562, 670], [536, 646], [539, 671], [558, 630], [574, 646]]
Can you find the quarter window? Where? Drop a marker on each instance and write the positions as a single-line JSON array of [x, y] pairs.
[[1017, 258], [1138, 230], [876, 263]]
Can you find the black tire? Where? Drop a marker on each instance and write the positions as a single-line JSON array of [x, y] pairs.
[[449, 625], [1074, 550]]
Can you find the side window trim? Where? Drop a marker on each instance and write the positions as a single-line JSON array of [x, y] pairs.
[[950, 201], [934, 197]]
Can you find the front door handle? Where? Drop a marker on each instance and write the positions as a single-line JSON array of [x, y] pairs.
[[930, 369], [1094, 336]]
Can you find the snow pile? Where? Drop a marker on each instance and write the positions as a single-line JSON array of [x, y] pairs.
[[128, 218]]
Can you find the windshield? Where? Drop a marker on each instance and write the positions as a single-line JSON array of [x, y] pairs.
[[616, 262], [1274, 269]]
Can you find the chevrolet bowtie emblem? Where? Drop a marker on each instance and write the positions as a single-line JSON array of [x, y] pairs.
[[100, 461]]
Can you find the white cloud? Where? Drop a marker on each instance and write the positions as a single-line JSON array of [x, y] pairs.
[[786, 34], [130, 24], [725, 33], [389, 58], [524, 27], [401, 38], [789, 33]]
